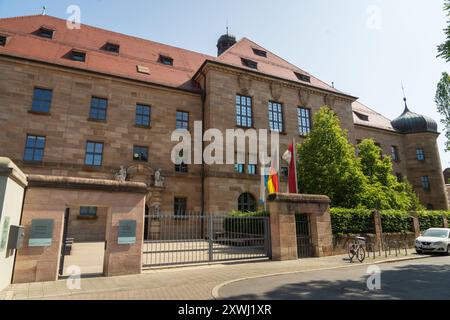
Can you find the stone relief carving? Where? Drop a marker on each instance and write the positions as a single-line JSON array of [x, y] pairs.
[[121, 175], [159, 180], [303, 96], [155, 208], [245, 83], [275, 89], [329, 100]]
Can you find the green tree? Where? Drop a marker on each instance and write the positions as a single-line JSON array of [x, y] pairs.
[[382, 189], [443, 104], [444, 49], [327, 163]]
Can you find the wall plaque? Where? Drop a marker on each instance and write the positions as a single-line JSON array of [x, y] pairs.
[[41, 233], [127, 232]]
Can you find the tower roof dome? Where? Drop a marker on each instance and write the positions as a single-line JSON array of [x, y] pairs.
[[225, 41], [411, 122]]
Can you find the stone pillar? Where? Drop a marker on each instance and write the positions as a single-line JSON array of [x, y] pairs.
[[12, 184], [283, 207], [378, 230], [416, 224]]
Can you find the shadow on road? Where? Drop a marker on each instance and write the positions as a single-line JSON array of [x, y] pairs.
[[425, 281]]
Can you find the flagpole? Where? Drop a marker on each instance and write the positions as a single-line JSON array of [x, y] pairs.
[[295, 163]]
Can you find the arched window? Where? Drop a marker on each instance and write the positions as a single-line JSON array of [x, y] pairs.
[[246, 203]]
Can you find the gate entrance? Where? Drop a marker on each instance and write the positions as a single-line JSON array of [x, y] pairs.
[[303, 229], [84, 242], [194, 238]]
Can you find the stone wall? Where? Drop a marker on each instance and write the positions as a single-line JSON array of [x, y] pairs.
[[48, 198]]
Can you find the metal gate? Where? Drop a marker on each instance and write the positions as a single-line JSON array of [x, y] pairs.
[[193, 238], [303, 229]]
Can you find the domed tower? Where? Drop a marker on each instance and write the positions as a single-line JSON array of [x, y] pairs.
[[225, 41], [423, 163]]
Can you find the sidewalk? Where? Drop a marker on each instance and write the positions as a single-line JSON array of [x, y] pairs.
[[195, 283]]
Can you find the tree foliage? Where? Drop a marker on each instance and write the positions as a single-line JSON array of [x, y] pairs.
[[444, 48], [443, 104], [328, 165]]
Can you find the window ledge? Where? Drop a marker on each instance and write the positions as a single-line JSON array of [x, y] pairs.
[[92, 168], [142, 126], [39, 113], [97, 120], [245, 127], [79, 217], [33, 162]]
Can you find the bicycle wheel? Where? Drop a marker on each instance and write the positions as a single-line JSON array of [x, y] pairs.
[[361, 254], [351, 251]]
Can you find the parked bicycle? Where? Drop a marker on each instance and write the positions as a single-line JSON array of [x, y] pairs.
[[356, 249]]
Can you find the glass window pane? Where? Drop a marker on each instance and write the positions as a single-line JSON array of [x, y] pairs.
[[89, 159]]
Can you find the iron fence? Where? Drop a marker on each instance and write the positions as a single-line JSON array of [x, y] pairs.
[[172, 239]]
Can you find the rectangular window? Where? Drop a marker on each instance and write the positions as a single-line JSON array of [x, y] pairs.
[[275, 116], [142, 115], [94, 153], [98, 109], [249, 63], [2, 41], [78, 56], [34, 148], [45, 33], [304, 121], [284, 172], [182, 167], [251, 169], [88, 211], [420, 154], [112, 47], [140, 153], [42, 100], [180, 206], [394, 153], [244, 111], [302, 77], [260, 53], [426, 183], [239, 168], [168, 61], [182, 120]]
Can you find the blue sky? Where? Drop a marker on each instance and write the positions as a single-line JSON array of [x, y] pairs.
[[367, 48]]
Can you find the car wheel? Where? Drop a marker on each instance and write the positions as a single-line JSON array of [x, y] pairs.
[[419, 251], [448, 250]]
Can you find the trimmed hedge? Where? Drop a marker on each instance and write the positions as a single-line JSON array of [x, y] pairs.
[[351, 221], [431, 219], [360, 221], [396, 221]]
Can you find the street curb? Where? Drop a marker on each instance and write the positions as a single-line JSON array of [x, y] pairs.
[[215, 291]]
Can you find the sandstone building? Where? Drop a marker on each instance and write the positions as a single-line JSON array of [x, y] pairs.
[[82, 103]]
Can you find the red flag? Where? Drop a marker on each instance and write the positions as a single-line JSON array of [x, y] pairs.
[[290, 158]]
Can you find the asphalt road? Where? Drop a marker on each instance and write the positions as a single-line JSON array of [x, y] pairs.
[[421, 279]]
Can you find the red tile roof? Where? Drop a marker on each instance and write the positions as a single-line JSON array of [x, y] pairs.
[[375, 119], [134, 52]]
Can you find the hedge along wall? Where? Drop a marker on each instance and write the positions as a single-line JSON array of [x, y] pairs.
[[245, 222], [360, 221], [351, 221], [432, 219]]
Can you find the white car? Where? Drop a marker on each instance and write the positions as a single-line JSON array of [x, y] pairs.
[[434, 240]]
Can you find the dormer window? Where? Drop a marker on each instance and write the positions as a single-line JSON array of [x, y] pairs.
[[249, 63], [362, 117], [2, 41], [111, 47], [142, 69], [260, 53], [168, 61], [78, 56], [45, 33], [302, 77]]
